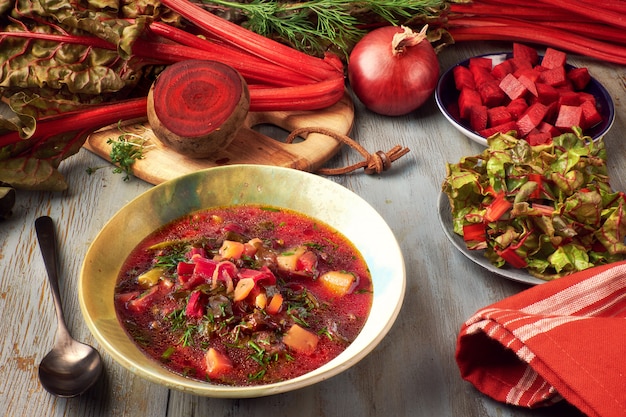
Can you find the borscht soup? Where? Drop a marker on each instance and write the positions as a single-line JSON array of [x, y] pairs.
[[244, 295]]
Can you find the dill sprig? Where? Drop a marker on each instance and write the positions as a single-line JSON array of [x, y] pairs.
[[317, 25]]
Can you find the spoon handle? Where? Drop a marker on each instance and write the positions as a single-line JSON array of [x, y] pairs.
[[46, 236]]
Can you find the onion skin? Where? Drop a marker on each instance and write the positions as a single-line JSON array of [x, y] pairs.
[[393, 83], [197, 107]]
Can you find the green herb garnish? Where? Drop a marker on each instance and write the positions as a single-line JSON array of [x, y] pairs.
[[316, 25], [125, 150]]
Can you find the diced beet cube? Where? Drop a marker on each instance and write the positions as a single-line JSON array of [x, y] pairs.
[[546, 93], [569, 116], [498, 115], [527, 53], [481, 75], [553, 58], [548, 128], [519, 64], [538, 138], [185, 268], [500, 70], [530, 73], [569, 98], [453, 109], [463, 78], [582, 97], [517, 107], [193, 252], [478, 117], [467, 99], [591, 116], [528, 83], [491, 94], [553, 76], [512, 87], [481, 61], [551, 112], [579, 77], [504, 128], [531, 118]]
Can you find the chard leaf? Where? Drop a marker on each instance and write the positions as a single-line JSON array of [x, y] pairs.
[[61, 70], [585, 207], [31, 173], [613, 230], [570, 258], [11, 121], [575, 222]]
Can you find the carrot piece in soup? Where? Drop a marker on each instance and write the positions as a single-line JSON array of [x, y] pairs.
[[275, 304], [243, 288]]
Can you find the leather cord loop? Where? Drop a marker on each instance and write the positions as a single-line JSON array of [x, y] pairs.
[[375, 163]]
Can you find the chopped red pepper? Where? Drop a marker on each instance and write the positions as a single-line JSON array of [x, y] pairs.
[[497, 208]]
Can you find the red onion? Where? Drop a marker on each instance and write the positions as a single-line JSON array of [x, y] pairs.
[[393, 70]]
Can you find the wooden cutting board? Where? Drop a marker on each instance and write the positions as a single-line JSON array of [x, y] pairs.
[[161, 163]]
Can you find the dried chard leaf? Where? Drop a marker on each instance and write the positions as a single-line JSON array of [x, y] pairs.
[[57, 57], [32, 174]]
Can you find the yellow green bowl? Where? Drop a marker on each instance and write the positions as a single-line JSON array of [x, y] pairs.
[[304, 192]]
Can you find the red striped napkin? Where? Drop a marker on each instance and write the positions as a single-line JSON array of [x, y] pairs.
[[565, 339]]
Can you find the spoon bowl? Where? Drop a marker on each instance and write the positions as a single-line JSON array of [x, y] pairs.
[[71, 367]]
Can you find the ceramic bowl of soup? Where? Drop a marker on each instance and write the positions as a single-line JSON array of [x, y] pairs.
[[261, 190]]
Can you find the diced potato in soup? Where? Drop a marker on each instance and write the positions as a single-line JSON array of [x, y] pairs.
[[339, 282]]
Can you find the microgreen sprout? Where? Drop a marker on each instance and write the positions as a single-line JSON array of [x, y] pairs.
[[126, 150]]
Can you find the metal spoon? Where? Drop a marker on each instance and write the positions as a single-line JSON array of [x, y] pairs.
[[71, 367]]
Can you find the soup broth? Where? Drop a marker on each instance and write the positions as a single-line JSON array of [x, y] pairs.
[[244, 295]]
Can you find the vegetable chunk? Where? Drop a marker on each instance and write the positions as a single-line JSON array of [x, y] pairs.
[[300, 339], [526, 92], [217, 363], [338, 282]]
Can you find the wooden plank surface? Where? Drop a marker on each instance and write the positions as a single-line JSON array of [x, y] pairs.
[[411, 373]]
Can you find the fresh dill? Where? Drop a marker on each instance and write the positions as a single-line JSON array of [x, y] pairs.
[[170, 259], [187, 338], [316, 25], [177, 319]]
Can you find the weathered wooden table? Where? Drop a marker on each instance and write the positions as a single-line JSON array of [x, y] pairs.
[[412, 372]]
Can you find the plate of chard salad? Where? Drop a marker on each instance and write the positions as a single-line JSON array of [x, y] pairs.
[[534, 213]]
